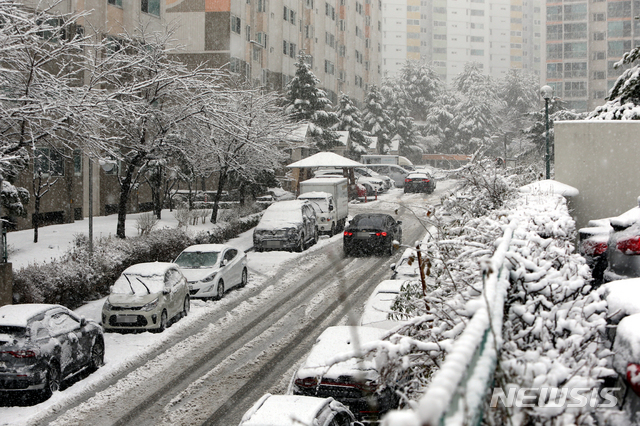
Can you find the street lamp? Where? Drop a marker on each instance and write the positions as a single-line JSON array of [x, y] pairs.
[[547, 92]]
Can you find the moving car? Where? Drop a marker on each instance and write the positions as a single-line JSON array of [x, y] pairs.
[[289, 225], [41, 345], [146, 296], [365, 171], [419, 182], [356, 383], [295, 410], [212, 269], [371, 232]]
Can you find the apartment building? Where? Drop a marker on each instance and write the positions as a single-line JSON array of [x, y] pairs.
[[499, 35], [584, 41], [262, 38]]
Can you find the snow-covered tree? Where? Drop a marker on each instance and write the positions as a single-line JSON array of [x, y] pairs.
[[376, 120], [624, 98], [438, 129], [420, 86], [476, 113], [305, 101], [350, 119]]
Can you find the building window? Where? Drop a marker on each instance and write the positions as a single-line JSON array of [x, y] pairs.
[[612, 71], [598, 36], [575, 31], [236, 24], [575, 89], [575, 69], [554, 70], [619, 29], [599, 17], [554, 51], [599, 94], [115, 2], [476, 12], [599, 75], [554, 32], [477, 39], [599, 56], [152, 7], [262, 5], [575, 50], [329, 39], [575, 12], [618, 48], [329, 67], [618, 9], [476, 52], [48, 162], [77, 162], [442, 10]]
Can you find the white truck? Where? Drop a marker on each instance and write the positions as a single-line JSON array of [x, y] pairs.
[[399, 160], [330, 197]]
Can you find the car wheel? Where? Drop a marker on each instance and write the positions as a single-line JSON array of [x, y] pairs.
[[243, 280], [300, 246], [347, 252], [220, 290], [315, 236], [163, 322], [186, 306], [390, 250], [97, 355], [333, 229], [259, 249], [51, 381]]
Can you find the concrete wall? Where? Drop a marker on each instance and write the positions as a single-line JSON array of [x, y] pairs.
[[602, 160]]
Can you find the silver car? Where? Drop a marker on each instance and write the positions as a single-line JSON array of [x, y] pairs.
[[212, 269], [146, 296]]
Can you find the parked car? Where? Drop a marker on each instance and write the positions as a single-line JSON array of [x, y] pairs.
[[146, 296], [289, 225], [41, 345], [371, 232], [296, 410], [626, 364], [592, 245], [377, 311], [371, 184], [419, 182], [212, 269], [356, 383], [397, 173], [365, 171]]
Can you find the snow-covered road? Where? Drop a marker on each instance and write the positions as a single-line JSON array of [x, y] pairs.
[[211, 366]]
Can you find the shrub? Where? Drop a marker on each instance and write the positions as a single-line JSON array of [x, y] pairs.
[[146, 222]]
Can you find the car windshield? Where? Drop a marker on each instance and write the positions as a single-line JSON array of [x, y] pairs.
[[137, 284], [319, 204], [197, 259], [13, 331], [363, 222]]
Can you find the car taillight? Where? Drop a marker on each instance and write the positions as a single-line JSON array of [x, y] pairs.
[[348, 234], [425, 180], [381, 234], [593, 248], [307, 382], [21, 354], [633, 377], [407, 180], [630, 245]]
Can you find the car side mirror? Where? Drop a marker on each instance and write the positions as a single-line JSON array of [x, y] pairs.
[[393, 266], [331, 207], [166, 291], [222, 263], [83, 321]]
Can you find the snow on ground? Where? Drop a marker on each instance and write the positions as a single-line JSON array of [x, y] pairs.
[[123, 350]]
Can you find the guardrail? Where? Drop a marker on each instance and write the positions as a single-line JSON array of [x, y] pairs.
[[458, 389]]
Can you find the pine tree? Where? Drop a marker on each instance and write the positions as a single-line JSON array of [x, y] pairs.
[[350, 119], [420, 86], [376, 120], [305, 101]]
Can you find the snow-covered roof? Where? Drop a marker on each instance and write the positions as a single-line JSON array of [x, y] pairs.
[[149, 269], [299, 134], [373, 142], [325, 159], [284, 410], [343, 137], [626, 347], [623, 298], [19, 315], [326, 180], [338, 342], [313, 194], [549, 186]]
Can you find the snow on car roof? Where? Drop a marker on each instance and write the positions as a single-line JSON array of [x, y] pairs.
[[418, 174], [284, 410], [149, 269], [623, 298], [205, 248], [627, 218], [389, 286], [19, 315], [626, 347], [376, 311], [283, 214], [326, 180], [338, 342], [314, 194]]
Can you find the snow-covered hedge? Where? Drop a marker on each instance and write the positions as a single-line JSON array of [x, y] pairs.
[[79, 276]]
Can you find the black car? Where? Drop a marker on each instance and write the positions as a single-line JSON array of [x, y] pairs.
[[41, 345], [371, 232], [419, 182]]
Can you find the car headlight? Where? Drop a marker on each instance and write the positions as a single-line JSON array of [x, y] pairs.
[[209, 278], [151, 305], [107, 306]]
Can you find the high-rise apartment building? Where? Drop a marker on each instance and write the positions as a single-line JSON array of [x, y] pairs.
[[261, 39], [584, 41], [499, 35]]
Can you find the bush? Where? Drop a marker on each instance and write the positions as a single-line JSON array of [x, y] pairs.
[[79, 277]]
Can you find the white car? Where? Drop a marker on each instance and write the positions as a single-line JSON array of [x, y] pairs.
[[146, 296], [371, 184], [212, 269], [377, 310], [294, 410]]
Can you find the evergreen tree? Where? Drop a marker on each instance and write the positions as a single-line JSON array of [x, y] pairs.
[[438, 130], [305, 101], [376, 120], [350, 119], [420, 86]]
